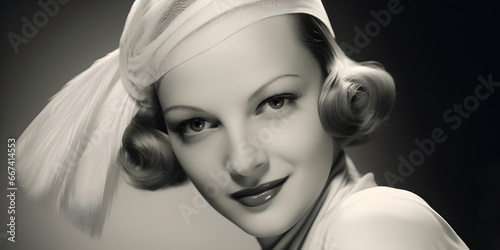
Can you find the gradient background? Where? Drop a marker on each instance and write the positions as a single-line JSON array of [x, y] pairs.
[[435, 51]]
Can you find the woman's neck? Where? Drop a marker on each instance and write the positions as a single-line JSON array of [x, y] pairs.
[[271, 242], [268, 243]]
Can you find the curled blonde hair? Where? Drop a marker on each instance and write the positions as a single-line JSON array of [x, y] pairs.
[[356, 97]]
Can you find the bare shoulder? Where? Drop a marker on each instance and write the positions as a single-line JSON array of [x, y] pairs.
[[385, 218]]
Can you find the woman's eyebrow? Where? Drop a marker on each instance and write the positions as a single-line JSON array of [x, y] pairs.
[[265, 85], [166, 110], [252, 96]]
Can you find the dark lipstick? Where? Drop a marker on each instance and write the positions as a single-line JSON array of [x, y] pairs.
[[260, 194]]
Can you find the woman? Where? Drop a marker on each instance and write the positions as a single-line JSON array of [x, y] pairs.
[[253, 102]]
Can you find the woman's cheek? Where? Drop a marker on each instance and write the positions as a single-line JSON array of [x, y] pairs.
[[303, 137], [204, 157], [198, 159]]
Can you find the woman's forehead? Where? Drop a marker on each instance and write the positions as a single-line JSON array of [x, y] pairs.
[[257, 53]]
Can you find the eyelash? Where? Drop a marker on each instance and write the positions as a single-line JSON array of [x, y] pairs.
[[181, 128], [291, 101]]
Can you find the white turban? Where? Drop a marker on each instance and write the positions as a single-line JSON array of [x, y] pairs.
[[159, 35]]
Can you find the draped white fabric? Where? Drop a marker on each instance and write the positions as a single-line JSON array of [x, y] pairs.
[[67, 155]]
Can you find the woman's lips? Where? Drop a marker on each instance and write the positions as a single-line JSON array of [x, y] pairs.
[[259, 195]]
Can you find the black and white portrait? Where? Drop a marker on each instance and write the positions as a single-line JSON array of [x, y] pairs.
[[250, 124]]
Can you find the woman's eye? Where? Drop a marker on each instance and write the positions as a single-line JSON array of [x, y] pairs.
[[196, 126], [277, 103]]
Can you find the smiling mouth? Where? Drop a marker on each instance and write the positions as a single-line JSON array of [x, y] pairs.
[[252, 197]]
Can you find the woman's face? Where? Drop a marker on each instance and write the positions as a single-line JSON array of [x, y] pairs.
[[243, 122]]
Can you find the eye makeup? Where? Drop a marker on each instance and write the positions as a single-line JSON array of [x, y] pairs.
[[275, 106], [195, 128]]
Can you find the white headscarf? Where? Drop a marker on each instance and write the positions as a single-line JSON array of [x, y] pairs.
[[67, 155]]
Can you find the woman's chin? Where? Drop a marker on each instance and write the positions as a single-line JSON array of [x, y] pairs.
[[267, 232], [264, 229]]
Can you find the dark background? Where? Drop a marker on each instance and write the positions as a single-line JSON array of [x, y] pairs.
[[434, 50]]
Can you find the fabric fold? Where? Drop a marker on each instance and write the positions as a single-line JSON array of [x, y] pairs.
[[67, 155], [159, 35]]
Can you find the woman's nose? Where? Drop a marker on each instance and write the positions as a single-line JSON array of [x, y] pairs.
[[247, 160]]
